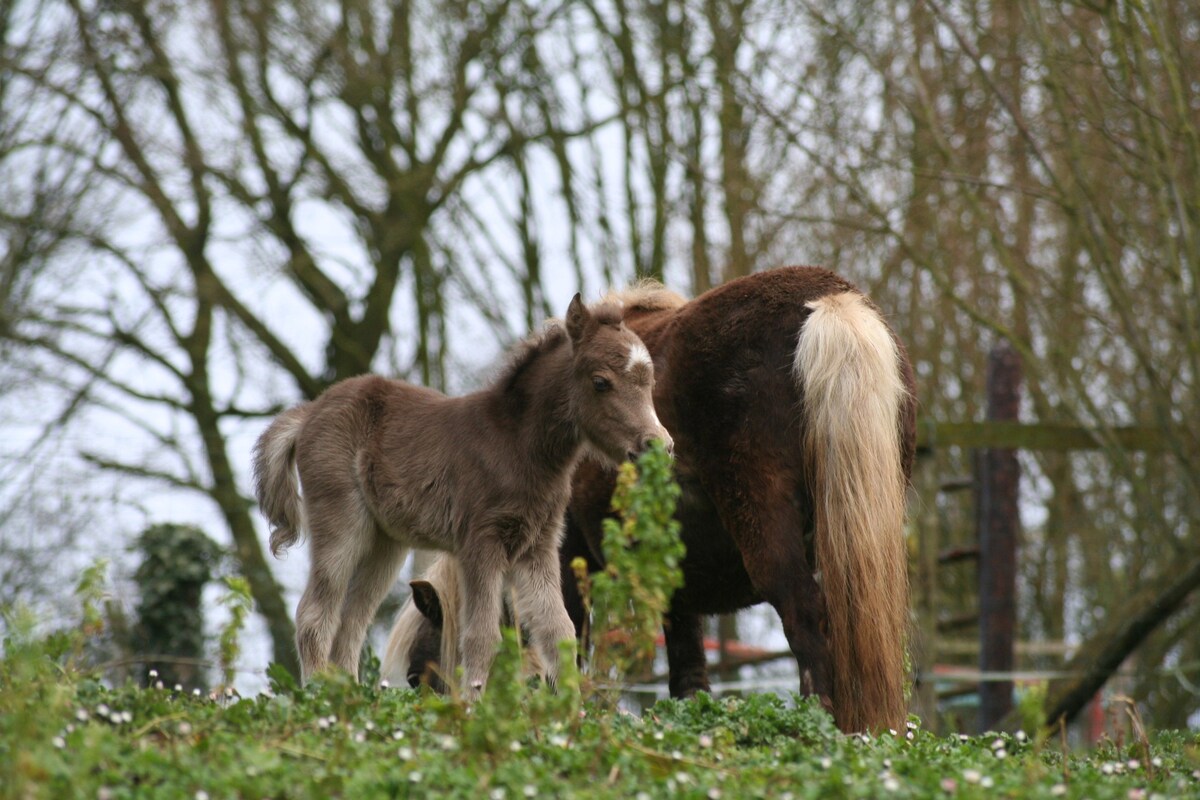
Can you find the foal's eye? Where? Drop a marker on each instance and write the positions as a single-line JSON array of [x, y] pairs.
[[601, 384]]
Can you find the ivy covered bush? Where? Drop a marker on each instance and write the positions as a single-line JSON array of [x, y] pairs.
[[177, 561]]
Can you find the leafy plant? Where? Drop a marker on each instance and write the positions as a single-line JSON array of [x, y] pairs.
[[642, 552], [240, 604]]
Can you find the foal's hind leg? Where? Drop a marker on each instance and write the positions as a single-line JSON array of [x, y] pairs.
[[340, 538], [370, 583]]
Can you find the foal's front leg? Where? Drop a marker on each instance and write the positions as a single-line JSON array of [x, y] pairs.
[[537, 579], [482, 604]]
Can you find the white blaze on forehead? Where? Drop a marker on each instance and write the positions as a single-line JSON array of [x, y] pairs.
[[638, 354]]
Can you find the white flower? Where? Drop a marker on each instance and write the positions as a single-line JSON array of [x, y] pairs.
[[415, 776], [397, 734], [987, 782], [179, 688], [102, 710], [1001, 754], [972, 775], [201, 794], [514, 746], [529, 790], [497, 794], [1108, 768], [826, 762], [82, 715], [59, 742], [405, 753], [1058, 789], [891, 784], [153, 673], [705, 740], [714, 794], [1021, 736]]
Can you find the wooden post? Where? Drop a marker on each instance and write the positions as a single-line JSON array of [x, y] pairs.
[[928, 543], [999, 521]]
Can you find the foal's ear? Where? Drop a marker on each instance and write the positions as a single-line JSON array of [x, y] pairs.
[[577, 317], [426, 599]]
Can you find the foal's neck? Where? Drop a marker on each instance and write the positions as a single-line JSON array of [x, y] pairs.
[[535, 405]]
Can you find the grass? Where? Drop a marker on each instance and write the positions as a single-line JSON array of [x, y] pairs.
[[65, 733], [66, 736]]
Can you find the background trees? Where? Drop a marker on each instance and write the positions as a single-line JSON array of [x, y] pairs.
[[213, 210]]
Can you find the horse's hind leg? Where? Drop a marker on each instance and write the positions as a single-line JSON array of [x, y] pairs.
[[339, 540], [760, 514], [370, 583]]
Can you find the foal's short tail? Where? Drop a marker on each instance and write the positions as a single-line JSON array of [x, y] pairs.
[[848, 368], [275, 479]]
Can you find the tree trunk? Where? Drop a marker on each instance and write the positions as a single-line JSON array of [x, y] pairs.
[[1104, 653]]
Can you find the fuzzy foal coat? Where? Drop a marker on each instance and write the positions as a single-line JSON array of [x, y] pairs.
[[385, 465]]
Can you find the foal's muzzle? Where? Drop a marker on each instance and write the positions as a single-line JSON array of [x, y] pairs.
[[644, 445]]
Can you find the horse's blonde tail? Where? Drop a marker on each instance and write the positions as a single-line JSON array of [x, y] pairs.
[[443, 574], [847, 366], [275, 481]]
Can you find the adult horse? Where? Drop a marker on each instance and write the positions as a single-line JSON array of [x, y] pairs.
[[792, 408], [383, 465]]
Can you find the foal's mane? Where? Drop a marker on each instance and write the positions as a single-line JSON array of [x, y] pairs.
[[552, 336], [524, 353]]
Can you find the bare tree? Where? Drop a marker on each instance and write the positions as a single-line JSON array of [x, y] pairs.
[[237, 139]]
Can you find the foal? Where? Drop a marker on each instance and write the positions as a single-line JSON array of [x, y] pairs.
[[384, 466]]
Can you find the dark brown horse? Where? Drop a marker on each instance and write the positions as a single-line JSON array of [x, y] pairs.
[[791, 404], [384, 466]]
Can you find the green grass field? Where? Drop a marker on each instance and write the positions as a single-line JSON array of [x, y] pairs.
[[63, 734]]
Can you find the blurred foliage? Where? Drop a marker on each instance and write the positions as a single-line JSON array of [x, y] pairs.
[[177, 562]]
